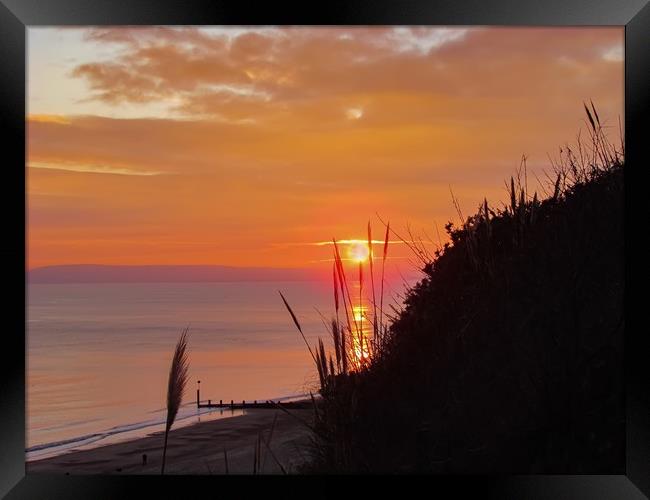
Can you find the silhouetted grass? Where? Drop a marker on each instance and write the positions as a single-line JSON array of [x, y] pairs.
[[507, 356], [178, 374]]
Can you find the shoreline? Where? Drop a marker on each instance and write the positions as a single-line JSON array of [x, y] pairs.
[[198, 448], [189, 414]]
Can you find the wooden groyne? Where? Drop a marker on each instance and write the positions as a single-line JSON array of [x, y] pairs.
[[237, 405], [255, 404]]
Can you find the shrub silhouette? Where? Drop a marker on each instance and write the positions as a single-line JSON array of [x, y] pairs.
[[508, 354]]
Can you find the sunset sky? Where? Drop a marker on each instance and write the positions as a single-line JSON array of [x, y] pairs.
[[247, 146]]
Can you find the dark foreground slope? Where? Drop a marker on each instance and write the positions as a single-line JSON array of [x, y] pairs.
[[508, 356]]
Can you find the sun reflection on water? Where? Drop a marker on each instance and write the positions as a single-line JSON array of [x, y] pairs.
[[363, 334]]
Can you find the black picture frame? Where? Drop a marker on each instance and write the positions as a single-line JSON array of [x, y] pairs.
[[17, 15]]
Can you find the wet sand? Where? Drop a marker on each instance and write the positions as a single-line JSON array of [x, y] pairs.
[[198, 449]]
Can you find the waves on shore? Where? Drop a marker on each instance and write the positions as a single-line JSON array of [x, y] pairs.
[[189, 414]]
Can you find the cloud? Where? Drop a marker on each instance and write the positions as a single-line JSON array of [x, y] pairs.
[[284, 64], [424, 40], [357, 242], [614, 53], [141, 145], [94, 169], [354, 113], [49, 119], [299, 79]]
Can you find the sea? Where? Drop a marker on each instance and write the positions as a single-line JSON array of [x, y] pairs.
[[98, 354]]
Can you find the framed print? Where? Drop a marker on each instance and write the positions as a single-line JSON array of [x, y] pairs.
[[363, 239]]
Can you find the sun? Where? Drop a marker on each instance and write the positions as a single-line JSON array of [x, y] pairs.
[[358, 251]]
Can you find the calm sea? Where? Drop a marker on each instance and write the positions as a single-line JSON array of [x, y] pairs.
[[98, 355]]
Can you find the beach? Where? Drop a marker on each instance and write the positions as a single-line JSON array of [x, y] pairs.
[[199, 448]]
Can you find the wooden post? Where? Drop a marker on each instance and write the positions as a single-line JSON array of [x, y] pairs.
[[198, 394], [209, 402], [231, 404], [220, 403]]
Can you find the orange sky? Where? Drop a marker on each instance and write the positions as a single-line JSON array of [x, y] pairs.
[[245, 146]]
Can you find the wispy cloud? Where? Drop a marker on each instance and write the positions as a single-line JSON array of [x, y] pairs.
[[60, 119], [93, 169], [613, 53], [354, 242], [338, 242], [345, 259]]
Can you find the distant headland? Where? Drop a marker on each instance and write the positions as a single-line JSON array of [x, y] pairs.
[[94, 273]]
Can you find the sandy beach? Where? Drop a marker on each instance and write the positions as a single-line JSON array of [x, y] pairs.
[[198, 449]]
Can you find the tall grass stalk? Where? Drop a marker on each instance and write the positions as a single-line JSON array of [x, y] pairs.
[[178, 375], [336, 292], [361, 339], [372, 284], [338, 284], [295, 320], [345, 290], [267, 443], [383, 274]]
